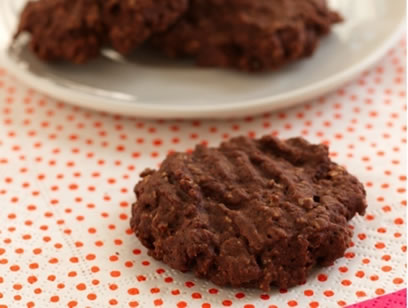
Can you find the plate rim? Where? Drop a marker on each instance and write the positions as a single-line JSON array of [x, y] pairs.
[[237, 109]]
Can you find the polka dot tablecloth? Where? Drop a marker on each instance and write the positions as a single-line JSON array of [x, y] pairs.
[[66, 180]]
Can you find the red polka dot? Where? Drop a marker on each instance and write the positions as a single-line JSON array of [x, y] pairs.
[[240, 295], [54, 299], [308, 292], [386, 257], [133, 291], [168, 279], [81, 286], [328, 293], [379, 245], [386, 268], [397, 280], [362, 236], [322, 277], [399, 221], [360, 274], [158, 302], [113, 302], [379, 291], [175, 292], [91, 296], [115, 273], [196, 295]]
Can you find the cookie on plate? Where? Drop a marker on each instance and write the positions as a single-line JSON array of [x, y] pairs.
[[250, 213], [63, 30], [76, 30], [250, 35]]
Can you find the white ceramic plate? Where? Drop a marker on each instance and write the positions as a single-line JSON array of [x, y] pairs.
[[150, 86]]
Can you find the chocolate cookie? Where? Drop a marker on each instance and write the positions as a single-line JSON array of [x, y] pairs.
[[250, 35], [76, 30], [250, 213], [131, 22], [69, 30]]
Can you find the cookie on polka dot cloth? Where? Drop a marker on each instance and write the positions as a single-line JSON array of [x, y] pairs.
[[251, 213]]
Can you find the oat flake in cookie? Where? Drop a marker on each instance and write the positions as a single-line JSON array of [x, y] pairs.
[[250, 213], [250, 35]]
